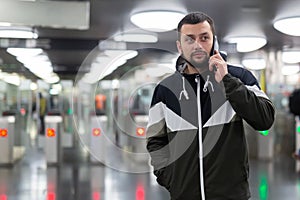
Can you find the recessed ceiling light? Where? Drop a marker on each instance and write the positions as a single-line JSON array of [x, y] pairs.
[[17, 32], [290, 70], [33, 86], [254, 63], [291, 56], [157, 20], [136, 37], [289, 26], [12, 79], [247, 43], [53, 78]]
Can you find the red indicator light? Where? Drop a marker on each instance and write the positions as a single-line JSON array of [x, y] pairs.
[[96, 196], [3, 132], [51, 196], [22, 111], [96, 131], [140, 131], [51, 132], [3, 197], [140, 193]]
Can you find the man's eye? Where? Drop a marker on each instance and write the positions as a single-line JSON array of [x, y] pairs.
[[189, 39], [204, 38]]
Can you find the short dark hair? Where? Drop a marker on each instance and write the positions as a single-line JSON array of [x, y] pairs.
[[195, 18]]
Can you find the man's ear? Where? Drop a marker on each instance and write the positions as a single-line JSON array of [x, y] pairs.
[[179, 47]]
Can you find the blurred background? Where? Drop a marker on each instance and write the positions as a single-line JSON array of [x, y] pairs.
[[76, 80]]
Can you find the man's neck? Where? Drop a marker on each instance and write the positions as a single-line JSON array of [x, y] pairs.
[[192, 70]]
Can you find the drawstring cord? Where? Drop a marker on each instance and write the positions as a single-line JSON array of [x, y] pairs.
[[208, 82], [184, 92]]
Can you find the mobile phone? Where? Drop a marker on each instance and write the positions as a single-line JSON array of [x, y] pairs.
[[215, 47]]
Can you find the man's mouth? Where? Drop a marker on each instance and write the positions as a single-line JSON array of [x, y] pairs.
[[199, 54]]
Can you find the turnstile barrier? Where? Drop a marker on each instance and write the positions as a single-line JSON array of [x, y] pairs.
[[97, 138], [7, 128], [53, 131]]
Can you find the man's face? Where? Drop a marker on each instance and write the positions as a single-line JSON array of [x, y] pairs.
[[195, 43]]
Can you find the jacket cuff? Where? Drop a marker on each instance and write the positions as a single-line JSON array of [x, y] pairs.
[[227, 78], [231, 83]]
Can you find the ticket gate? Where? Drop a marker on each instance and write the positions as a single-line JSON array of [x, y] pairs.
[[139, 142], [98, 136], [133, 137], [266, 144], [53, 132], [7, 135]]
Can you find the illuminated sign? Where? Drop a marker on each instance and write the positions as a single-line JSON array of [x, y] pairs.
[[51, 132], [3, 132], [96, 131], [22, 111], [265, 133], [140, 131]]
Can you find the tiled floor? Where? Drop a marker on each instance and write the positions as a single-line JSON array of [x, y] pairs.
[[77, 179]]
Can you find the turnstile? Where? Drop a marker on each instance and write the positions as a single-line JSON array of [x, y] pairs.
[[53, 147], [266, 144], [7, 134], [98, 136], [139, 140]]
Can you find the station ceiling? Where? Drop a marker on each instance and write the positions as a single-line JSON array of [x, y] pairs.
[[68, 47]]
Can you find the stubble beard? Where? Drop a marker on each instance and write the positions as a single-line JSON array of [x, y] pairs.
[[200, 64]]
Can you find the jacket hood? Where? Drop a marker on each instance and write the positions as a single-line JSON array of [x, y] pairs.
[[180, 64]]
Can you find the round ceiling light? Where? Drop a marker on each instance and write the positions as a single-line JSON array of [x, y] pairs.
[[290, 69], [291, 56], [157, 21], [247, 43], [254, 63], [289, 26]]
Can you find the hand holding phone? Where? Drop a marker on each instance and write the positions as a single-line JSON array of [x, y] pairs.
[[217, 64]]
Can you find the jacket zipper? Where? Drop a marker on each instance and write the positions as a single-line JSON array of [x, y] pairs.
[[200, 139]]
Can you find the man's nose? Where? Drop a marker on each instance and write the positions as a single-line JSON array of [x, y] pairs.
[[197, 44]]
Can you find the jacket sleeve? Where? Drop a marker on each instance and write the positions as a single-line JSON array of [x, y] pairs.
[[249, 102], [157, 139]]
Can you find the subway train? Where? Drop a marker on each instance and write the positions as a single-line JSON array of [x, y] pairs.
[[77, 80]]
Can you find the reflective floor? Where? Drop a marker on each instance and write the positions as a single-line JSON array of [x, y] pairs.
[[78, 179]]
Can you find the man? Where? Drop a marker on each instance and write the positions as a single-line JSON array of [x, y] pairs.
[[195, 132], [42, 113]]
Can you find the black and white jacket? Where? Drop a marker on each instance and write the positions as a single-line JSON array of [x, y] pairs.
[[195, 133]]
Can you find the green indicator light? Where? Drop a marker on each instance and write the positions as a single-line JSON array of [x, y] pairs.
[[263, 188], [298, 129], [69, 112], [265, 133]]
